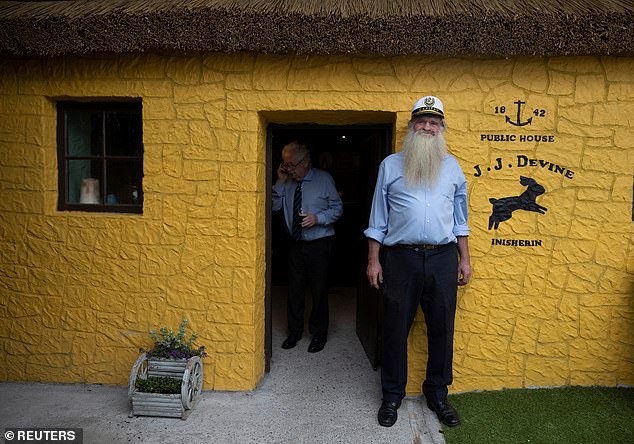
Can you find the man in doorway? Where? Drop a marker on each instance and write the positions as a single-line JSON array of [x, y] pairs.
[[419, 223], [311, 206]]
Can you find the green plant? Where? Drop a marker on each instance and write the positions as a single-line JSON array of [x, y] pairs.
[[170, 345], [159, 384]]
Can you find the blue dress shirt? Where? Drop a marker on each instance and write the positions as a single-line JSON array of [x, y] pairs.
[[319, 197], [418, 215]]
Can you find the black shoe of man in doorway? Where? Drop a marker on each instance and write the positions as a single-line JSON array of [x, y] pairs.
[[291, 341], [317, 344]]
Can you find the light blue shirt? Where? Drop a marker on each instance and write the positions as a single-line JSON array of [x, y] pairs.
[[319, 197], [418, 215]]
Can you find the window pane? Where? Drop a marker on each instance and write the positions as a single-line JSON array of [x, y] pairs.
[[84, 181], [124, 182], [123, 134], [100, 154], [84, 133]]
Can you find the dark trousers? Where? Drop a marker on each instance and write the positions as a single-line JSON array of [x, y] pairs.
[[308, 263], [428, 278]]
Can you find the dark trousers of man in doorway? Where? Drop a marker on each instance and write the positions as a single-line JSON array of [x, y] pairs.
[[308, 263], [428, 278]]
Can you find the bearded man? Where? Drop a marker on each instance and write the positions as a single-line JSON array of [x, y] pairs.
[[419, 224]]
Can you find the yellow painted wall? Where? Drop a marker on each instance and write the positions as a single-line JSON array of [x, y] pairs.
[[78, 291]]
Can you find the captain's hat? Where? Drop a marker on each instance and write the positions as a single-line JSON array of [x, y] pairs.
[[428, 105]]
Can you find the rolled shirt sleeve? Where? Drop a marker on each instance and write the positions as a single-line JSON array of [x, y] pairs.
[[378, 224], [461, 207], [278, 196]]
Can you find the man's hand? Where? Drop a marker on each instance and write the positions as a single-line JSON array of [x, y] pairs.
[[310, 220], [282, 174], [375, 274], [374, 271], [464, 272], [464, 265]]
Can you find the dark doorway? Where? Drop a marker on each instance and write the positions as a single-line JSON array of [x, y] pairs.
[[351, 154]]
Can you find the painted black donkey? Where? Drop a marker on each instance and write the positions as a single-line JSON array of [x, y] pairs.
[[503, 208]]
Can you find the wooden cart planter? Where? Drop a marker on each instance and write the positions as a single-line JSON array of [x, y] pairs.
[[190, 371]]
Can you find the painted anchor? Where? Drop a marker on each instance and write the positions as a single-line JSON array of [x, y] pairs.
[[519, 113]]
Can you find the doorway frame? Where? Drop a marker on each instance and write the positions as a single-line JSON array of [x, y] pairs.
[[360, 120]]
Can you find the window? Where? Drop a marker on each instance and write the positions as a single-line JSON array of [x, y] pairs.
[[100, 156]]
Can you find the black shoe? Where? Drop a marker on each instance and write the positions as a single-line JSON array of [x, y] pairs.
[[291, 341], [316, 345], [388, 413], [445, 412]]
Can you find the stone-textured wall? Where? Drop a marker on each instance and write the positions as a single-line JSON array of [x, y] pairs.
[[80, 290]]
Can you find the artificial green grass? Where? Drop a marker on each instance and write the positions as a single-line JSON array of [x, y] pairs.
[[567, 415]]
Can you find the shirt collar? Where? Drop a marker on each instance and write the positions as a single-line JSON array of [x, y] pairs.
[[309, 175]]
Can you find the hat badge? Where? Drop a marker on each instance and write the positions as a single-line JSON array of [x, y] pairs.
[[429, 101]]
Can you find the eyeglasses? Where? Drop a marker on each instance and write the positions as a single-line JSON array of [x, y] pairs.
[[422, 121], [291, 165]]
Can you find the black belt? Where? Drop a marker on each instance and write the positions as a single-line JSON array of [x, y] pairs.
[[417, 247], [302, 241]]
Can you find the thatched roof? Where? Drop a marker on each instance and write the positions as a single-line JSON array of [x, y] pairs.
[[384, 27]]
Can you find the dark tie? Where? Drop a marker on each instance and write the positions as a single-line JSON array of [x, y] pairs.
[[297, 219]]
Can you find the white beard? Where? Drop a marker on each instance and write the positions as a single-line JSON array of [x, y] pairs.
[[422, 158]]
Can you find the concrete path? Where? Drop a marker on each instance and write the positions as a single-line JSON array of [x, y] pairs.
[[327, 397]]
